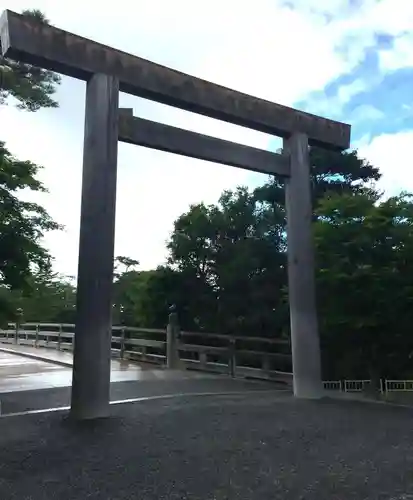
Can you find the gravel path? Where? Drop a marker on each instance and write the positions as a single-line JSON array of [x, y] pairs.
[[247, 447]]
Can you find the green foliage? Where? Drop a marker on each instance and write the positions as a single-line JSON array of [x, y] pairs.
[[50, 298], [331, 172], [365, 284], [230, 254], [33, 87], [126, 262], [142, 298], [22, 224]]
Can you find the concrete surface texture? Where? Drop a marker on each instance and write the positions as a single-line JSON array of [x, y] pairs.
[[243, 447], [32, 370], [19, 373], [39, 378]]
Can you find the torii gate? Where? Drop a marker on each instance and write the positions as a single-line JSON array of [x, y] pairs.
[[108, 71]]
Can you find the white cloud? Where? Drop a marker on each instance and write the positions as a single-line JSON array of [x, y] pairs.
[[391, 154], [365, 113], [262, 47], [400, 55], [346, 92], [333, 105]]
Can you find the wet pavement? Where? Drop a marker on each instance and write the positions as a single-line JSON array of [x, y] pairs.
[[49, 368], [18, 373], [38, 378]]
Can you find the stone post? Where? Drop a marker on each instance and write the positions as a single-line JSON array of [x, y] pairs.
[[172, 334], [305, 342], [59, 338], [122, 343], [93, 330], [19, 322], [232, 357], [36, 337]]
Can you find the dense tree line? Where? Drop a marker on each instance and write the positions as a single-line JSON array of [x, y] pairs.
[[226, 271]]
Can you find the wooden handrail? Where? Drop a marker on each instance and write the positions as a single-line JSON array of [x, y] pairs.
[[223, 359]]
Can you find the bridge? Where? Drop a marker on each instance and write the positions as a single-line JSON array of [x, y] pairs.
[[236, 356], [140, 366]]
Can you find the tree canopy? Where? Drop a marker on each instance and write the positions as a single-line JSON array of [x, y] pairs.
[[227, 268], [23, 224], [32, 87]]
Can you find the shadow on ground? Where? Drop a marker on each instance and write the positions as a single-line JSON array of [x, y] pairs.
[[244, 447]]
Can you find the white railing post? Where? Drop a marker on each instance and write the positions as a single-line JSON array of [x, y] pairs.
[[333, 385]]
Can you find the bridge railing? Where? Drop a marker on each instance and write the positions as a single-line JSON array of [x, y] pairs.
[[237, 356], [386, 386]]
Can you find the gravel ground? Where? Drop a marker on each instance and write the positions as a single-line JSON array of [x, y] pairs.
[[13, 402], [246, 447]]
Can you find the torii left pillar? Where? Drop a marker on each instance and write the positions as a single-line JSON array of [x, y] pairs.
[[92, 349]]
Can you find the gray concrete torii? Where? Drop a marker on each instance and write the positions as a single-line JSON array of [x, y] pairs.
[[108, 71]]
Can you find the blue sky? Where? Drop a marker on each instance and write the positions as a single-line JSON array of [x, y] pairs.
[[350, 60], [383, 103]]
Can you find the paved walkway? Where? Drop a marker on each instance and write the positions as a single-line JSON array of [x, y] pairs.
[[38, 378], [18, 373], [39, 368]]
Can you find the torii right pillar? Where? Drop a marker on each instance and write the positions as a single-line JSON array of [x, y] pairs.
[[305, 342]]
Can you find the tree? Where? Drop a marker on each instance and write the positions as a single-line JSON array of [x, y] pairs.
[[235, 251], [51, 298], [142, 298], [126, 262], [232, 253], [22, 224], [33, 87], [365, 285], [331, 172]]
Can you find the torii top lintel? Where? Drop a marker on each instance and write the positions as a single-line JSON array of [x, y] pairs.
[[52, 48]]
